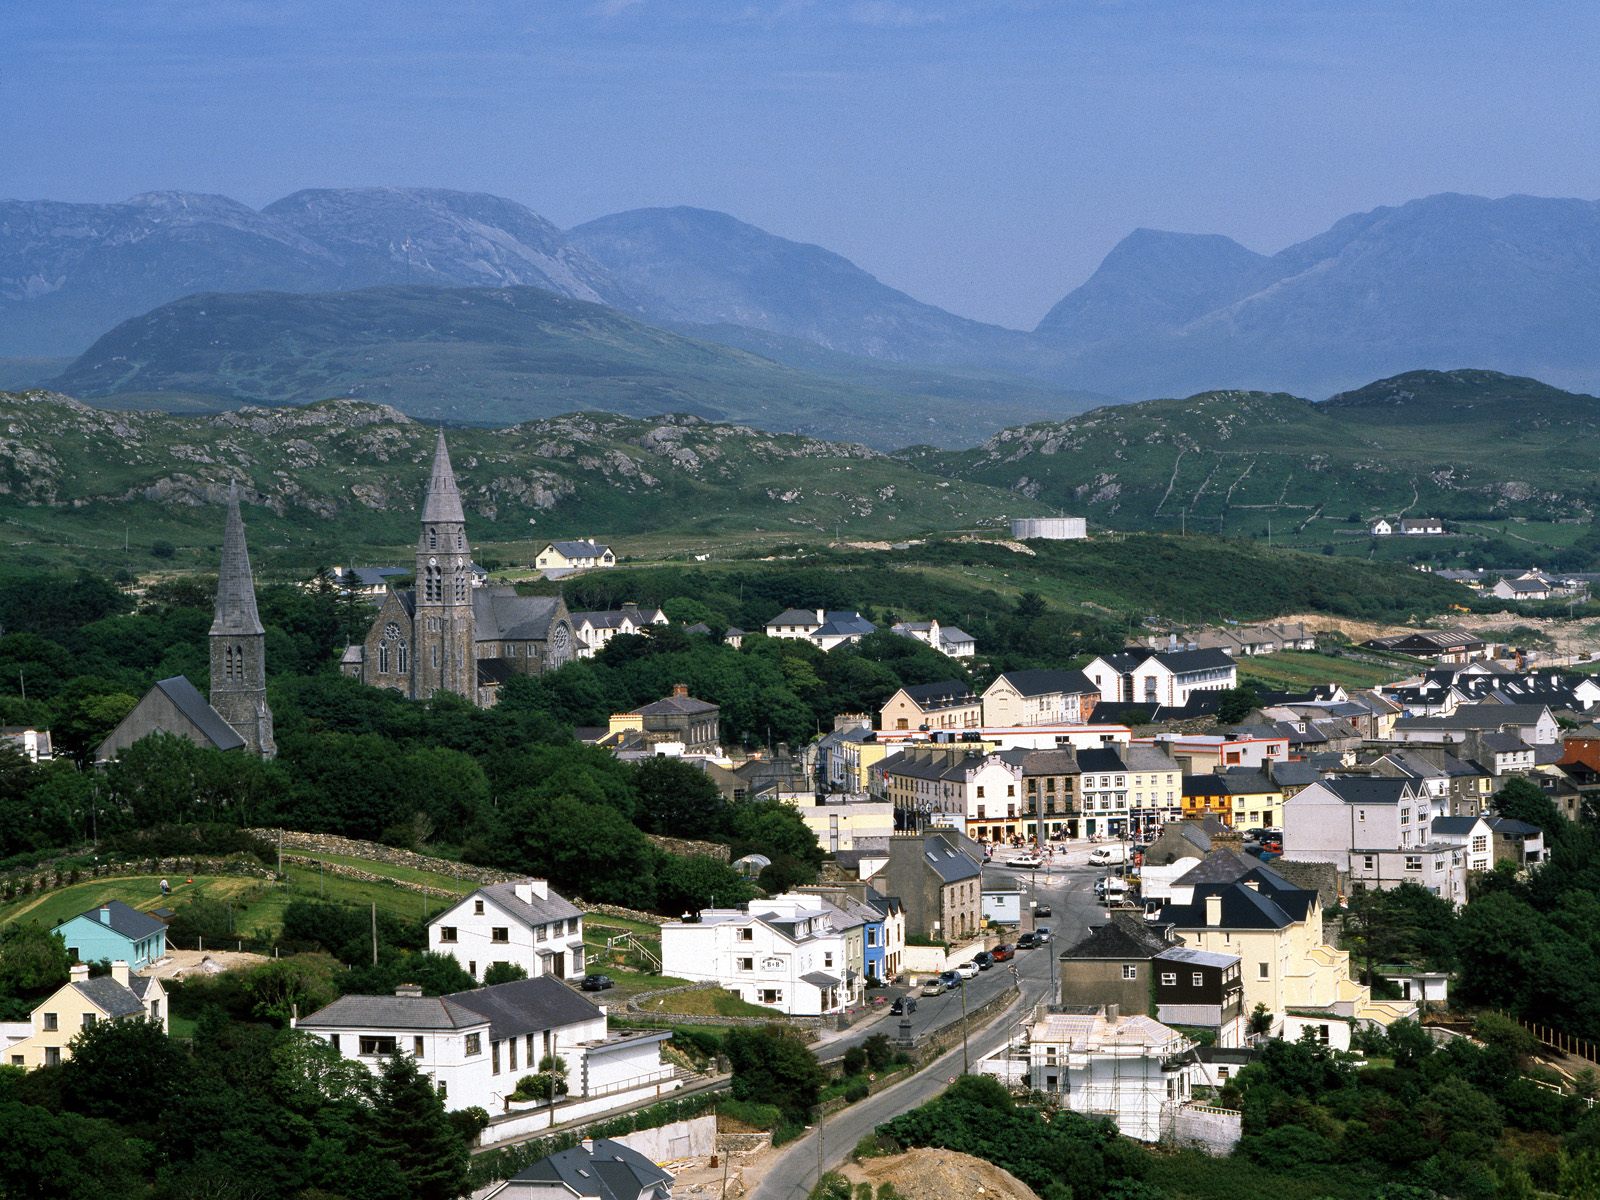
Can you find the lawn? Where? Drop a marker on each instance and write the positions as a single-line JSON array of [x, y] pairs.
[[1291, 670], [436, 879], [709, 1002], [139, 891]]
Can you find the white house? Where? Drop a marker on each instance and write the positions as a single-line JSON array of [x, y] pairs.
[[824, 628], [593, 630], [1040, 697], [1533, 723], [1381, 528], [1421, 526], [563, 558], [1168, 677], [475, 1046], [1133, 1069], [789, 956], [32, 743], [947, 639], [1377, 831], [522, 922]]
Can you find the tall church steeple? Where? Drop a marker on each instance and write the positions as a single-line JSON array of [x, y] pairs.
[[238, 643], [444, 658]]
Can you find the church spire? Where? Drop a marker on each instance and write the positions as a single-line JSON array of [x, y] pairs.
[[238, 643], [442, 504], [236, 586]]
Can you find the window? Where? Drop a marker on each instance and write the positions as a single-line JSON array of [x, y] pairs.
[[772, 995], [1130, 971], [447, 933], [542, 934], [472, 967], [827, 958], [416, 1047], [1197, 979], [51, 1022], [88, 1020], [1480, 844], [1169, 979], [474, 1045], [1263, 971], [1413, 862], [747, 935], [477, 908], [441, 1088], [52, 1056], [494, 1058], [501, 933], [747, 964], [1366, 861], [1222, 1073], [374, 1044], [980, 791], [333, 1040], [572, 924]]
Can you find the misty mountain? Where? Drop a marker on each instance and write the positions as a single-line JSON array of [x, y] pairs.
[[505, 355], [691, 265], [1510, 284]]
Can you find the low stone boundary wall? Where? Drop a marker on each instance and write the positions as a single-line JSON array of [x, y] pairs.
[[949, 1037], [693, 1138], [627, 914], [689, 848], [1214, 1130], [332, 843], [346, 871], [38, 881], [636, 1009]]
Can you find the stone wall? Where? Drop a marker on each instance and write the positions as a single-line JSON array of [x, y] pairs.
[[329, 843], [684, 846], [682, 1139], [1214, 1130]]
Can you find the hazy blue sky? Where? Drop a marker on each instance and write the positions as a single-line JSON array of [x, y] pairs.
[[981, 155]]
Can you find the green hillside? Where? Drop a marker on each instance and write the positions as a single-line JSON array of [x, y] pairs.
[[340, 481], [503, 355], [1469, 446]]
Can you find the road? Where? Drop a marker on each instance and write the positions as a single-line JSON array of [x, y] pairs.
[[1068, 888]]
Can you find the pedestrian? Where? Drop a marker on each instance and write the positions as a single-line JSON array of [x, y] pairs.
[[166, 888]]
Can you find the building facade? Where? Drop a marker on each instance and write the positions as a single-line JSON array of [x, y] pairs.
[[522, 923]]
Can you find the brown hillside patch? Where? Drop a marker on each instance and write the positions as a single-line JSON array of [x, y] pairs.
[[929, 1174]]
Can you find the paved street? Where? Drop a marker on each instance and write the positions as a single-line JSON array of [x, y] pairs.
[[1068, 888]]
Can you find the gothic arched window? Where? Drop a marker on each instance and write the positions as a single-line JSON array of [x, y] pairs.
[[383, 658], [400, 657], [433, 538], [461, 583]]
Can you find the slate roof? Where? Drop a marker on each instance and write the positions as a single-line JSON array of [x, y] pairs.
[[796, 616], [845, 624], [499, 614], [1478, 716], [1047, 682], [820, 979], [675, 706], [1199, 958], [1513, 828], [1367, 789], [1452, 826], [526, 1006], [1272, 903], [1118, 939], [110, 997], [950, 864], [125, 920], [947, 693], [607, 1171], [186, 698], [1101, 760], [442, 502], [1504, 743], [1181, 662], [394, 1012], [536, 912], [581, 549]]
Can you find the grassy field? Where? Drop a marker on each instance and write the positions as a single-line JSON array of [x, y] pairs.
[[709, 1002], [1291, 670], [139, 891]]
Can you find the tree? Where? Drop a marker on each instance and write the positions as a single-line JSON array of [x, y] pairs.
[[503, 972], [1237, 704], [62, 1156], [690, 882], [33, 963], [413, 1131], [300, 984], [126, 1072], [677, 799], [774, 1066]]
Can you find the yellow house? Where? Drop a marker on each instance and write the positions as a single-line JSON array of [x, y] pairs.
[[77, 1006], [1231, 904]]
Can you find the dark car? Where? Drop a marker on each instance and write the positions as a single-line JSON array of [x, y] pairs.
[[904, 1006], [951, 979], [1028, 941], [984, 959], [1003, 952], [597, 983], [1043, 910]]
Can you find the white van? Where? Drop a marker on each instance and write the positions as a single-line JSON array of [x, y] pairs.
[[1102, 855]]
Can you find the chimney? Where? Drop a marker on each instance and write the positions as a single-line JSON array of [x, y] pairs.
[[540, 888], [410, 991], [680, 689], [1113, 1013], [119, 971], [105, 914], [80, 972], [1214, 909], [822, 617]]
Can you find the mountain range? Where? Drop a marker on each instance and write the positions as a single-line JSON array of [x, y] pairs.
[[1444, 282]]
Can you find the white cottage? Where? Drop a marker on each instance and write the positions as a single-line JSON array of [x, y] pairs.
[[522, 922], [789, 956]]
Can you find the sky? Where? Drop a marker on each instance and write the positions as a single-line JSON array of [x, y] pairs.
[[982, 155]]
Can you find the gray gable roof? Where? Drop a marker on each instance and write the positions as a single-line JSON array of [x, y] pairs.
[[395, 1012], [1199, 958], [1452, 826], [683, 706], [950, 864], [1044, 682], [530, 912], [1478, 716], [948, 693], [1368, 789], [526, 1006], [606, 1171], [499, 614], [1119, 939], [124, 919], [186, 698], [581, 549], [110, 997]]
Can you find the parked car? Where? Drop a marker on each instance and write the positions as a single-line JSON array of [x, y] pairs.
[[1028, 941], [1028, 862], [935, 986], [951, 979], [1044, 935], [1003, 952], [967, 970], [597, 983], [983, 960], [904, 1005]]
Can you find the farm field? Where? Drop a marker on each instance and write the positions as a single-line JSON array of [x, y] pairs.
[[1289, 670]]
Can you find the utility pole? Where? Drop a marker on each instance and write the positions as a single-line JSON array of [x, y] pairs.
[[822, 1116], [374, 933], [965, 1065]]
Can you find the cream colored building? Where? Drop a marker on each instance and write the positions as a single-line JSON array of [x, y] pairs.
[[1231, 904], [45, 1040]]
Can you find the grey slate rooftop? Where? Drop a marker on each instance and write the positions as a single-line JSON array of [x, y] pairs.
[[125, 919]]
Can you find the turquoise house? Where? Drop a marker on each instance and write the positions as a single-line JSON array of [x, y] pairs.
[[115, 931]]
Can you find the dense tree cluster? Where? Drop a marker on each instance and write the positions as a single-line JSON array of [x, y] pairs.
[[243, 1111]]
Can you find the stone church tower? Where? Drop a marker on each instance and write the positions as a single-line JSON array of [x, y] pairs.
[[238, 644], [444, 658]]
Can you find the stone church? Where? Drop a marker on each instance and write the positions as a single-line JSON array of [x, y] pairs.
[[443, 634], [237, 716]]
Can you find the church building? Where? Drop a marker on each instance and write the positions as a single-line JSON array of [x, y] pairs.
[[443, 634], [237, 717]]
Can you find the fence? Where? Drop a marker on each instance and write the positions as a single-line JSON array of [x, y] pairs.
[[1562, 1043]]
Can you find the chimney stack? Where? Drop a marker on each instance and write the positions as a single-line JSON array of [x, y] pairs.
[[1214, 909], [1113, 1013], [680, 689], [105, 914], [79, 972], [119, 971], [411, 991], [822, 617], [540, 888]]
